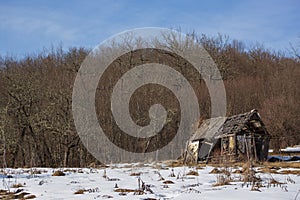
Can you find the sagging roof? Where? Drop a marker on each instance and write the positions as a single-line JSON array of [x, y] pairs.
[[232, 125]]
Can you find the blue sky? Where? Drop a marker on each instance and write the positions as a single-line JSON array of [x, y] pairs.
[[27, 27]]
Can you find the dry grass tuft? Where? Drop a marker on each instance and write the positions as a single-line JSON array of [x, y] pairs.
[[283, 164], [215, 171], [107, 196], [70, 170], [222, 180], [220, 171], [238, 171], [136, 174], [174, 163], [124, 190], [249, 171], [274, 170], [18, 185], [5, 194], [268, 170], [80, 191], [251, 178], [193, 173], [22, 195], [32, 196], [296, 172], [168, 182], [135, 191], [35, 171], [58, 173], [199, 167], [139, 192]]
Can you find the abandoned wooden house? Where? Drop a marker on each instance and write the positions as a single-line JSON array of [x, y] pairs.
[[241, 137]]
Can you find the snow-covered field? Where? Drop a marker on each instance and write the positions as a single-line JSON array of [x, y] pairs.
[[109, 182]]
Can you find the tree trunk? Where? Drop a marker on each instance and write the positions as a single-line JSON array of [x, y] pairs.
[[66, 156], [19, 143]]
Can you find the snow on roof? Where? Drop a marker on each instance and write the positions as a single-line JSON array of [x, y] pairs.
[[291, 149]]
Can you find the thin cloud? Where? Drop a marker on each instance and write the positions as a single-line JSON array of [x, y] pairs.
[[272, 23], [35, 22]]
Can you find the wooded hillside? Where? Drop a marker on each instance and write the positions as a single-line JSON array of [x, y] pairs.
[[36, 123]]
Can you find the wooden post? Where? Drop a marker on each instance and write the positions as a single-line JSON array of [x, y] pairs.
[[247, 149], [221, 146], [254, 147]]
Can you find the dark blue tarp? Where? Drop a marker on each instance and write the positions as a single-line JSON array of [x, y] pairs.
[[283, 158]]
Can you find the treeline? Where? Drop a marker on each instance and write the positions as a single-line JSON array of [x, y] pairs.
[[37, 127], [36, 123]]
